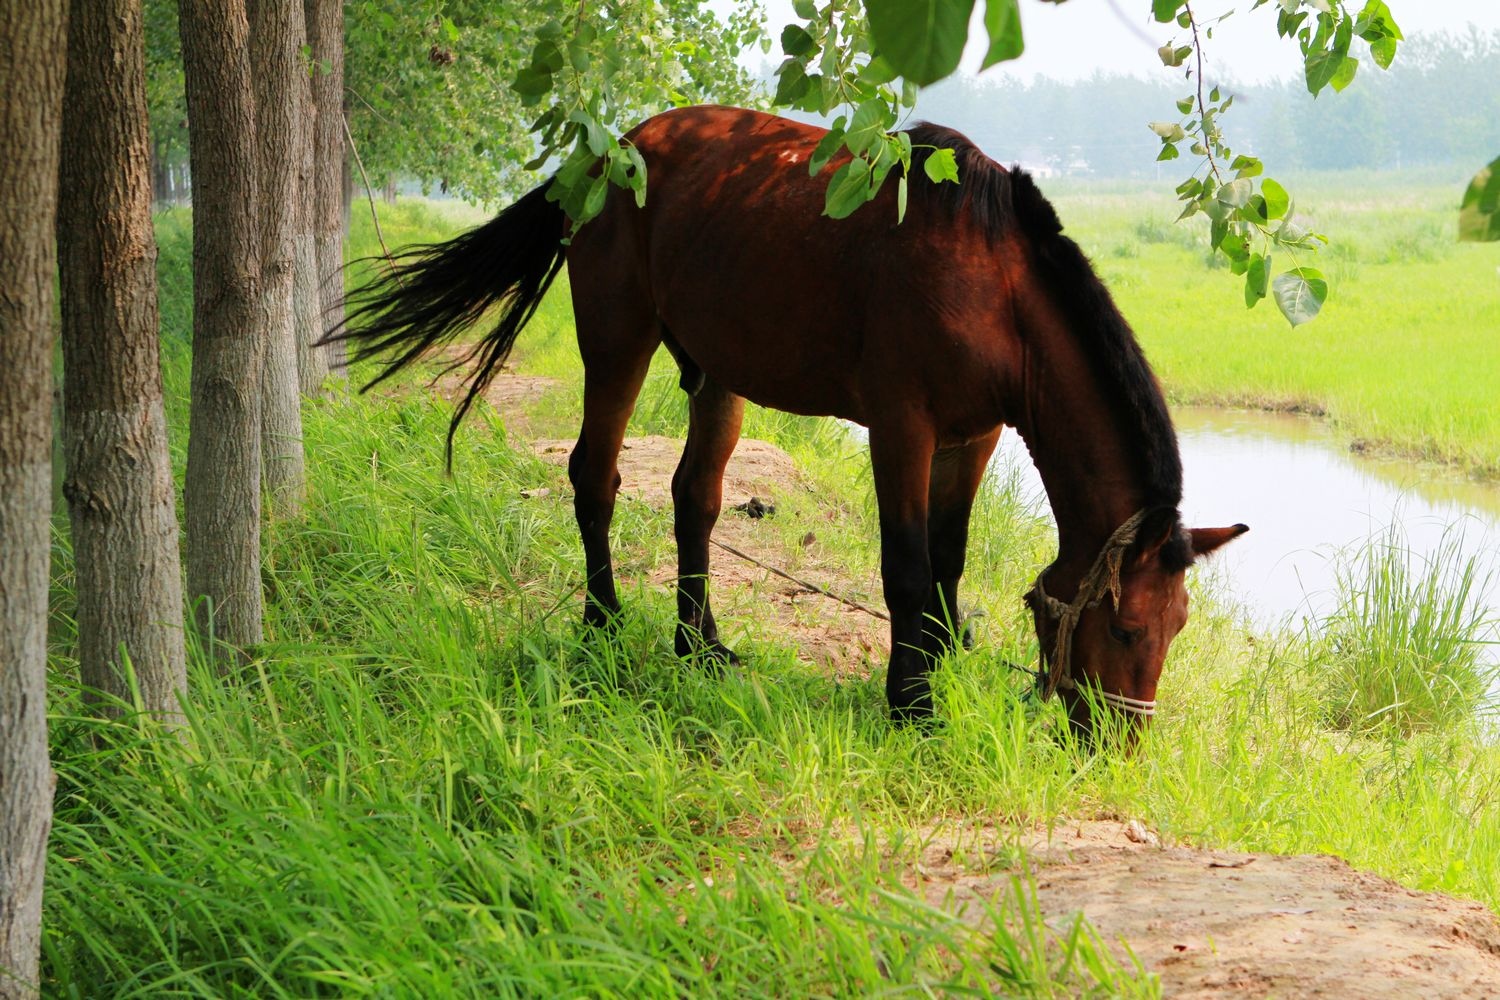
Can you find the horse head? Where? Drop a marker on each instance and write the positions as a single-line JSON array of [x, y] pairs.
[[1104, 650]]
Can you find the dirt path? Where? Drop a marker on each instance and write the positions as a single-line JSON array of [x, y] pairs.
[[836, 637], [1209, 923], [1228, 924]]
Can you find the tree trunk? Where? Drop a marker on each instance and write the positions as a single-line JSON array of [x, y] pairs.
[[119, 474], [276, 40], [312, 362], [325, 36], [161, 176], [222, 494], [32, 62]]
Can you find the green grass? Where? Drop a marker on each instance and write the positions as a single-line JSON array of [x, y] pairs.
[[428, 782], [1405, 648], [1404, 356]]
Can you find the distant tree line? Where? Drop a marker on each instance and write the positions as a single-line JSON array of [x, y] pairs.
[[1438, 104]]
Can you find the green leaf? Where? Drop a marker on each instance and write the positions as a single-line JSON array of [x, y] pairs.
[[1344, 75], [1321, 66], [827, 146], [877, 71], [1002, 21], [1165, 10], [1383, 52], [870, 121], [532, 84], [901, 200], [598, 191], [1185, 105], [791, 83], [795, 41], [450, 29], [595, 135], [1175, 57], [848, 189], [941, 165], [1236, 247], [1479, 214], [1277, 200], [1170, 131], [923, 39], [1168, 152], [1246, 166], [637, 175], [547, 55], [581, 45], [1237, 192], [804, 9], [1375, 22], [1257, 279], [1300, 294]]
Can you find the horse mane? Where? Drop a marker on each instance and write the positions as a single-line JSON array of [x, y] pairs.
[[1000, 200]]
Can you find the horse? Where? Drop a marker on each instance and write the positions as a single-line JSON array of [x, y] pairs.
[[973, 313]]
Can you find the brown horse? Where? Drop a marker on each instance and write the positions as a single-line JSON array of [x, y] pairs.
[[973, 313]]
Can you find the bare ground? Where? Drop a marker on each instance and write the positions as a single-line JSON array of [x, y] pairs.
[[1209, 923], [832, 635], [1230, 924]]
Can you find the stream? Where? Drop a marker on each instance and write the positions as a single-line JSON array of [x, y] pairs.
[[1305, 496]]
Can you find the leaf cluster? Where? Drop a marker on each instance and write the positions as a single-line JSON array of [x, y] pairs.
[[1479, 214], [1250, 216], [598, 66]]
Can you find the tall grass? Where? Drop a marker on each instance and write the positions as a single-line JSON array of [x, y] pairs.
[[430, 782], [1403, 355], [1405, 648]]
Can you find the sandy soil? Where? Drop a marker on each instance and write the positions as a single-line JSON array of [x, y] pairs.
[[1209, 923], [1228, 924], [834, 636]]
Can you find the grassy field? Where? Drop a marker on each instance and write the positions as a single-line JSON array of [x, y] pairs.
[[428, 784], [1404, 356]]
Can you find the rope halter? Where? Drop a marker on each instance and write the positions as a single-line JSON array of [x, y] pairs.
[[1101, 579]]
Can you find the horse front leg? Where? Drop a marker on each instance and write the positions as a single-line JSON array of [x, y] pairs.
[[956, 475], [715, 415], [902, 457]]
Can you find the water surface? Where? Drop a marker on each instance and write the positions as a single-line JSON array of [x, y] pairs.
[[1305, 496]]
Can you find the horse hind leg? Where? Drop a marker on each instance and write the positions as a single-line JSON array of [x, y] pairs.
[[715, 415], [614, 370]]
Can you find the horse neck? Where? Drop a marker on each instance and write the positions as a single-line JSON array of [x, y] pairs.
[[1089, 462]]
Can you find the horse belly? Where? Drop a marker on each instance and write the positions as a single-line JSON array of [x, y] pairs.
[[772, 360]]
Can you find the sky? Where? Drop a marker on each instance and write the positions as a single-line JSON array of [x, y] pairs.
[[1072, 40]]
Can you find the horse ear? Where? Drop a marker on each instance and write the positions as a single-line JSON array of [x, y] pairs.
[[1153, 534], [1207, 540]]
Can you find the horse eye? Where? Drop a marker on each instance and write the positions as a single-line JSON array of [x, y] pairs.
[[1121, 635]]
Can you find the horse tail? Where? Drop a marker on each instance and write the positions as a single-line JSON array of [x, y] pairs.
[[432, 292]]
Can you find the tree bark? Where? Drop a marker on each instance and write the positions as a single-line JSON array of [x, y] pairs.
[[222, 494], [312, 362], [325, 35], [119, 473], [33, 38], [276, 39]]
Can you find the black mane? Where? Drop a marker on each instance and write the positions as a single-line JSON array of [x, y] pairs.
[[999, 199]]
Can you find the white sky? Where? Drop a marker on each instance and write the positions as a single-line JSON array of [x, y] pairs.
[[1073, 40]]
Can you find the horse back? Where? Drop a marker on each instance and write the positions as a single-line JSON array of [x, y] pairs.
[[788, 307]]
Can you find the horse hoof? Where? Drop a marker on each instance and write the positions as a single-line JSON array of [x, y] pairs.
[[916, 716], [712, 655]]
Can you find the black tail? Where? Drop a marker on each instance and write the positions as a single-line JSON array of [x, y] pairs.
[[433, 292]]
